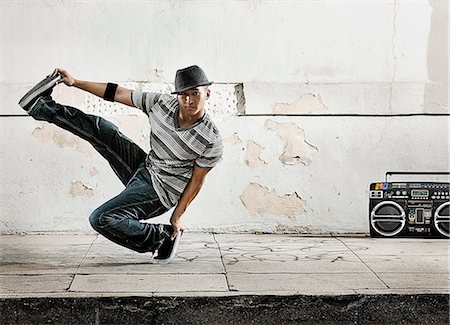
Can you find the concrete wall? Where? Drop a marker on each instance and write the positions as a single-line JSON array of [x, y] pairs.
[[314, 100]]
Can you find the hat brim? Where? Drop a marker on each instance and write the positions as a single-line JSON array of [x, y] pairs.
[[177, 91]]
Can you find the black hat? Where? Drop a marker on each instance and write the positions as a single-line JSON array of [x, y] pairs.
[[190, 77]]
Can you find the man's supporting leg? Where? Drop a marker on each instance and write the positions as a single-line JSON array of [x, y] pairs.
[[118, 219], [123, 155]]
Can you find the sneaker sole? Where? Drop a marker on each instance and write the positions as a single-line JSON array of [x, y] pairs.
[[172, 253], [39, 89]]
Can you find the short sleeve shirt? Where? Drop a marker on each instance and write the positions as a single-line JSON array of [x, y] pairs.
[[175, 150]]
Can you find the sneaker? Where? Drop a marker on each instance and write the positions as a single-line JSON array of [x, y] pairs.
[[43, 88], [168, 249]]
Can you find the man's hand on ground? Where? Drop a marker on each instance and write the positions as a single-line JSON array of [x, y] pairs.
[[177, 226]]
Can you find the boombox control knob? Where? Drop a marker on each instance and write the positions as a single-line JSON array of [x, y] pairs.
[[397, 192], [404, 193]]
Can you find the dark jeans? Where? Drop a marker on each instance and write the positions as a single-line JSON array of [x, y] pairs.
[[119, 218]]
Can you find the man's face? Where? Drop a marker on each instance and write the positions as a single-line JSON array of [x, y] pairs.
[[192, 101]]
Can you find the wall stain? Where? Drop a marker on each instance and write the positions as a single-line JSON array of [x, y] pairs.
[[135, 127], [79, 189], [296, 148], [234, 139], [285, 229], [308, 103], [93, 172], [51, 134], [261, 201], [253, 159]]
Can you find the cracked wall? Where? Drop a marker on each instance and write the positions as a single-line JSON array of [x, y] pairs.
[[297, 87]]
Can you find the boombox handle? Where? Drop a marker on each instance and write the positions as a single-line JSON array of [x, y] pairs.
[[414, 173]]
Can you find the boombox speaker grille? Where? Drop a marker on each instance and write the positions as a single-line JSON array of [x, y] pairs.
[[388, 218], [442, 219]]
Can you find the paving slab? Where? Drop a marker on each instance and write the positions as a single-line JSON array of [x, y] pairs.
[[304, 283], [195, 255], [149, 283], [397, 246], [415, 280], [43, 254], [421, 264], [287, 254], [26, 284]]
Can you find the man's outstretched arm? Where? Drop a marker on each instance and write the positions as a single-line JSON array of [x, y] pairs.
[[190, 192], [123, 95]]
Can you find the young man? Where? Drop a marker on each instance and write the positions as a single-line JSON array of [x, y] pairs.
[[185, 145]]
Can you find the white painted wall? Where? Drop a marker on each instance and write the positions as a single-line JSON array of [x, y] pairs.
[[354, 68]]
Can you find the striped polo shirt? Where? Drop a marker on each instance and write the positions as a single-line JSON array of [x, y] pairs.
[[175, 150]]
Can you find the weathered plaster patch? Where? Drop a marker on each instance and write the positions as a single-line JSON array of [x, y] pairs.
[[307, 104], [93, 172], [296, 149], [49, 133], [234, 139], [79, 189], [261, 201], [253, 158], [137, 128], [285, 229], [69, 96]]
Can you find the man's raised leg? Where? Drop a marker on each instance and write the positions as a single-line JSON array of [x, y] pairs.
[[123, 155]]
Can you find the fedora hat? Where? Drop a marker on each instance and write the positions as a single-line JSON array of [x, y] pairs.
[[190, 77]]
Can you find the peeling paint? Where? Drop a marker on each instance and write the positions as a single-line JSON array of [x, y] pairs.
[[308, 103], [79, 189], [296, 149], [253, 159], [135, 127], [69, 96], [93, 172], [261, 201], [234, 139], [49, 133]]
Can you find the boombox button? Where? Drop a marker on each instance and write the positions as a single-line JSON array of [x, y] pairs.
[[438, 197], [433, 197], [447, 197]]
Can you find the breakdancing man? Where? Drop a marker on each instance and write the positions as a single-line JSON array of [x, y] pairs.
[[185, 145]]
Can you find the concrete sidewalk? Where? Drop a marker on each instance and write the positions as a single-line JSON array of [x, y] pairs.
[[223, 265]]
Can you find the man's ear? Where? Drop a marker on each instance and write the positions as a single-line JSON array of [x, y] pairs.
[[208, 92]]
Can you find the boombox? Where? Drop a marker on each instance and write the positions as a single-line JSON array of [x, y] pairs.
[[409, 209]]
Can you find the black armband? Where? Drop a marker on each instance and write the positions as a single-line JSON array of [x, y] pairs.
[[110, 92]]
